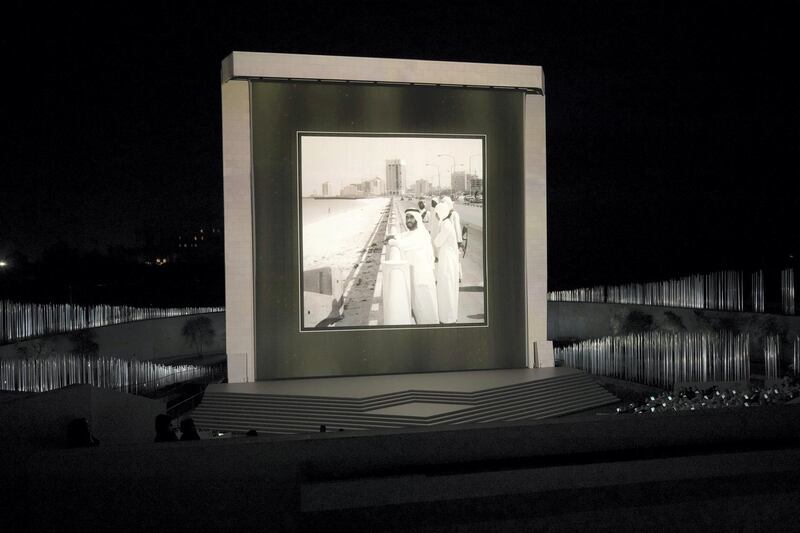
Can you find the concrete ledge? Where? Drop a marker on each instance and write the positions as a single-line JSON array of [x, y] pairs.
[[245, 65]]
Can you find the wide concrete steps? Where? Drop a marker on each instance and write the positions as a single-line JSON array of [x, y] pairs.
[[302, 413]]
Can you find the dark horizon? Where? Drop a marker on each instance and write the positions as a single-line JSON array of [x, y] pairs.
[[672, 130]]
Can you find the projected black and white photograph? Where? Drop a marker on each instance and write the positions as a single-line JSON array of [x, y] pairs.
[[391, 230]]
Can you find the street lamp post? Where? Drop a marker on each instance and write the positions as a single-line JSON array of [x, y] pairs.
[[438, 178], [452, 168], [471, 172], [470, 161]]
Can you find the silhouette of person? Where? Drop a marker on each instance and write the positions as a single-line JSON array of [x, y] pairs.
[[188, 431], [79, 434], [164, 432]]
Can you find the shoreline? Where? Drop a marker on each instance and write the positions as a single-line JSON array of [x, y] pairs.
[[338, 241]]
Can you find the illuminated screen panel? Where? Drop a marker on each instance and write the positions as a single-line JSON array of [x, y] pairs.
[[318, 139], [391, 231]]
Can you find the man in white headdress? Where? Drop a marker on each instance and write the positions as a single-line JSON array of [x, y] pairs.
[[423, 212], [446, 245], [457, 223], [456, 217], [434, 224], [417, 248]]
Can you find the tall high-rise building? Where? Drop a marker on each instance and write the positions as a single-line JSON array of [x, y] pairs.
[[475, 184], [326, 189], [395, 177], [422, 187], [458, 181], [352, 190], [463, 182]]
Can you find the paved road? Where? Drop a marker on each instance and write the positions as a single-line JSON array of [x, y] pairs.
[[470, 215]]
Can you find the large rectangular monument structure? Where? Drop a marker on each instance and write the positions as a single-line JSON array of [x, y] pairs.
[[382, 216]]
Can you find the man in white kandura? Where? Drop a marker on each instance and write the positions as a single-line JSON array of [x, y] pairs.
[[417, 249], [446, 245], [455, 216]]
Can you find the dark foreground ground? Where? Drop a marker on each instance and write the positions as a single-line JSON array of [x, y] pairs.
[[734, 470]]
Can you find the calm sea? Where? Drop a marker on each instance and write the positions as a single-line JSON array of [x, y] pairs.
[[315, 210]]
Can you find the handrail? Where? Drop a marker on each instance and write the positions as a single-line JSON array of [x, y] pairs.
[[209, 367], [192, 397]]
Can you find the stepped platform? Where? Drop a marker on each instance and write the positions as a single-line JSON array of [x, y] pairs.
[[399, 400]]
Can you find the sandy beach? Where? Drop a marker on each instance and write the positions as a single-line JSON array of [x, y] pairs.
[[338, 241]]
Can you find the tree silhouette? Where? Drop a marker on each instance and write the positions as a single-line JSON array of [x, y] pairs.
[[637, 322], [83, 342], [198, 332]]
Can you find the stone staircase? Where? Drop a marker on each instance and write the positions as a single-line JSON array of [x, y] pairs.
[[287, 414]]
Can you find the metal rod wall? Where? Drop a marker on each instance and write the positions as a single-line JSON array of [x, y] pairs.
[[60, 370], [717, 290], [593, 294], [663, 359], [796, 355], [787, 291], [19, 321]]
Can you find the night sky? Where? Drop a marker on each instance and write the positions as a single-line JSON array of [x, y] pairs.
[[673, 132]]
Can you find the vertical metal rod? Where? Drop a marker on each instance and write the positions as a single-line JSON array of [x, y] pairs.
[[772, 348]]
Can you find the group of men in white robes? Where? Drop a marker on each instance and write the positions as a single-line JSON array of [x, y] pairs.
[[433, 258]]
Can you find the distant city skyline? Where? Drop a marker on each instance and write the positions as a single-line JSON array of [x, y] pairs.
[[343, 160]]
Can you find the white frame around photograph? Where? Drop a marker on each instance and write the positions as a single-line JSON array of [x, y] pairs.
[[485, 245]]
